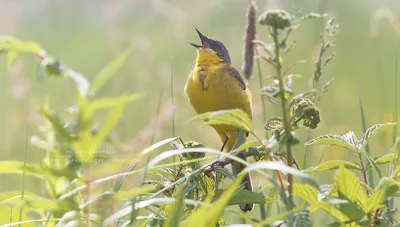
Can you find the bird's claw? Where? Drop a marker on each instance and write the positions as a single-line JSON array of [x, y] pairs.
[[216, 163]]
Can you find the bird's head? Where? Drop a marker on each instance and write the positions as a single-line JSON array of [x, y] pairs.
[[211, 51]]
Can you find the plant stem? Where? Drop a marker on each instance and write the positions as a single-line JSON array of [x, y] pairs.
[[364, 173], [285, 110], [261, 86]]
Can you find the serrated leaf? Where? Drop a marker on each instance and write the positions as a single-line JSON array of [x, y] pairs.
[[280, 217], [374, 130], [176, 212], [235, 117], [57, 124], [324, 191], [240, 140], [301, 95], [244, 197], [207, 216], [87, 146], [271, 99], [373, 163], [330, 210], [107, 125], [384, 159], [332, 140], [108, 71], [388, 187], [396, 159], [247, 145], [224, 171], [351, 138], [301, 219], [306, 192], [349, 188], [333, 164]]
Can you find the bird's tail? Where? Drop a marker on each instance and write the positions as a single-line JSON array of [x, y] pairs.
[[246, 182], [236, 166]]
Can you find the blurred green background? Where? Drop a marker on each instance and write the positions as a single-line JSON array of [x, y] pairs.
[[86, 35]]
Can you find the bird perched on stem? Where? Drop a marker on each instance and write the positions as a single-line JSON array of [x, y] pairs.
[[215, 85]]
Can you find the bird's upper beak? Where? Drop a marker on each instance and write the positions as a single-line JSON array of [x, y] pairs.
[[203, 39]]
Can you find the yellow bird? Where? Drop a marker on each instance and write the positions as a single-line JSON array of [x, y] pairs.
[[215, 85]]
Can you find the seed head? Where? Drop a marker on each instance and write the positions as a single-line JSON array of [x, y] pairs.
[[276, 18], [249, 36]]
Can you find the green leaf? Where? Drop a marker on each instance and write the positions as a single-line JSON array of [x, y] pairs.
[[235, 117], [245, 197], [87, 145], [333, 164], [11, 58], [107, 103], [240, 140], [176, 210], [209, 183], [332, 140], [280, 217], [83, 147], [224, 171], [373, 163], [384, 159], [349, 188], [331, 210], [29, 200], [206, 215], [107, 72], [17, 167], [301, 219], [388, 187], [13, 44], [56, 123], [108, 124], [374, 130], [306, 192], [396, 159], [351, 139]]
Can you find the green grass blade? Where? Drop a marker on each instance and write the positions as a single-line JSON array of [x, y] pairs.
[[396, 101], [173, 110], [394, 119], [364, 128], [260, 80], [157, 114], [108, 71], [23, 175]]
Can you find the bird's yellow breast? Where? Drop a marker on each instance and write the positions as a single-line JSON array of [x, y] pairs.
[[212, 88]]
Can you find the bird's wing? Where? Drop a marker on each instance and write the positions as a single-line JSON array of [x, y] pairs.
[[235, 74]]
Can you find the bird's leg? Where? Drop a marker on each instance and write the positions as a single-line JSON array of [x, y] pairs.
[[225, 141], [220, 163]]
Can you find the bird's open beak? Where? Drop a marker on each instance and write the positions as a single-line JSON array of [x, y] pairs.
[[203, 39]]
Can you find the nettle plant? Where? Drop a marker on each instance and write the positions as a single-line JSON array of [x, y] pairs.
[[185, 185]]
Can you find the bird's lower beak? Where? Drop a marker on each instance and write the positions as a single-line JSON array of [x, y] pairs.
[[203, 39]]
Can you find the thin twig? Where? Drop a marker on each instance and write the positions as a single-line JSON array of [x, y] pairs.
[[285, 110]]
